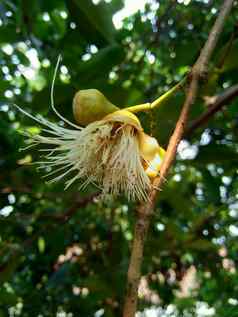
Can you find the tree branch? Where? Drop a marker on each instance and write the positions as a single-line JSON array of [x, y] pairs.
[[145, 211], [220, 101]]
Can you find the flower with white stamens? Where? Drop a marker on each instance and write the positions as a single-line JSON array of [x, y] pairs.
[[113, 153]]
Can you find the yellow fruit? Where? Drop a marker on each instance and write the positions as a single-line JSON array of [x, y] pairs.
[[91, 105]]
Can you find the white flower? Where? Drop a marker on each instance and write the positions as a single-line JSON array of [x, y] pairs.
[[113, 153]]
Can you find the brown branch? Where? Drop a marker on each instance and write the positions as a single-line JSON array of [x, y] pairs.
[[145, 211], [220, 101]]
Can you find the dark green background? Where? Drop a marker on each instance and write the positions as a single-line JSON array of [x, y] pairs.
[[64, 251]]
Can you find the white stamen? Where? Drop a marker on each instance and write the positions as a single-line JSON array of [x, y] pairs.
[[52, 95], [103, 153]]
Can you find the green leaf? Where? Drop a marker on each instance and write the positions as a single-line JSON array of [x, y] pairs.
[[100, 64], [7, 298], [211, 187], [8, 269], [201, 245], [90, 74], [215, 153], [166, 116], [229, 54], [60, 276], [8, 34], [93, 19]]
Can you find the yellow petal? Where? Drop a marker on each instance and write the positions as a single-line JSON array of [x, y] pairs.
[[124, 116], [154, 166], [148, 146], [152, 153]]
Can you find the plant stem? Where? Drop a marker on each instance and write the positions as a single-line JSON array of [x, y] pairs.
[[138, 108], [145, 210], [148, 106], [168, 94]]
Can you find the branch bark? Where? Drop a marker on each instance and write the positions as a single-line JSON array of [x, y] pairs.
[[222, 100], [145, 211]]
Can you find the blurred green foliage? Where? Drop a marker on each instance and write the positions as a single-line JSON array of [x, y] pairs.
[[64, 253]]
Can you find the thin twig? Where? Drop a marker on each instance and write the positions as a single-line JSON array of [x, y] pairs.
[[222, 100], [145, 211]]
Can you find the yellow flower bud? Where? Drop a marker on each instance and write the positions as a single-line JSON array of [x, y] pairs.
[[91, 105]]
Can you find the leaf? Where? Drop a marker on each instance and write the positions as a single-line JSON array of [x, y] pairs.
[[201, 245], [184, 303], [179, 203], [63, 93], [7, 298], [98, 285], [215, 153], [165, 117], [186, 53], [229, 54], [212, 187], [8, 34], [90, 74], [115, 5], [4, 85], [93, 19], [100, 64], [9, 268], [59, 277]]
